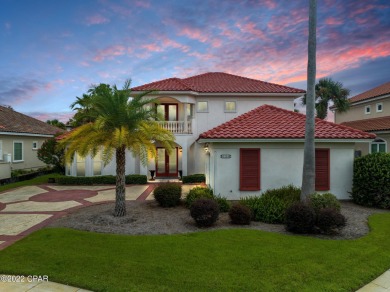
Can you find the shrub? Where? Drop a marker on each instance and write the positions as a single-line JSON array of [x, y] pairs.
[[240, 214], [371, 180], [320, 201], [194, 178], [329, 219], [197, 193], [205, 212], [223, 204], [102, 179], [300, 218], [168, 194], [271, 206], [136, 179]]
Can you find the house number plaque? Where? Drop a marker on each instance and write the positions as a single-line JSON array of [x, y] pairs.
[[226, 156]]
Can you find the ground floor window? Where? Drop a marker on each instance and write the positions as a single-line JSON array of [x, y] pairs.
[[249, 169], [378, 145], [322, 170]]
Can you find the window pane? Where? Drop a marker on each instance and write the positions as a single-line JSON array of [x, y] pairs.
[[230, 106], [18, 151], [161, 111], [382, 147], [172, 113], [373, 148], [202, 106]]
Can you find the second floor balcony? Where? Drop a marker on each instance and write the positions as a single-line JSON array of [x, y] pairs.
[[177, 127]]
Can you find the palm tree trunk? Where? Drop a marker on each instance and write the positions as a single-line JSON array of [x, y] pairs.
[[120, 190], [308, 177]]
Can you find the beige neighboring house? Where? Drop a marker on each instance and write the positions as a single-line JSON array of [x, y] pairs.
[[20, 138], [370, 112]]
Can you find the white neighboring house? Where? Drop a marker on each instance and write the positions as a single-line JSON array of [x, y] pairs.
[[20, 138], [192, 106]]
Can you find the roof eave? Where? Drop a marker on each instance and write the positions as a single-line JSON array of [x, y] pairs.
[[284, 140], [169, 92], [26, 134]]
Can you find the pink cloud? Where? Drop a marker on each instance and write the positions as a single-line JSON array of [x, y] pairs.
[[110, 52], [96, 19], [251, 29], [193, 33], [333, 21], [62, 117]]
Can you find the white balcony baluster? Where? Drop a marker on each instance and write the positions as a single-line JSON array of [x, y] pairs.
[[176, 127]]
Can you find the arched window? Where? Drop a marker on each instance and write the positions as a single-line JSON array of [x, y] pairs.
[[378, 145]]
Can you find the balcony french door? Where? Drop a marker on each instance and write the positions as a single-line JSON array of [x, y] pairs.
[[166, 164], [168, 111]]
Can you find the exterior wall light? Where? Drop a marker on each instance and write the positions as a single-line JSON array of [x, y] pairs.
[[206, 147]]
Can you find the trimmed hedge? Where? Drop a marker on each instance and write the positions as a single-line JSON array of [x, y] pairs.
[[240, 214], [300, 218], [205, 212], [371, 180], [103, 179], [197, 193], [329, 220], [194, 178], [321, 201]]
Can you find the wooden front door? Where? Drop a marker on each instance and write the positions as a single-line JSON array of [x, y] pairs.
[[166, 165]]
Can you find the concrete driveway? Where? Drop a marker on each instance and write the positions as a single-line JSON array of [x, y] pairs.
[[26, 209]]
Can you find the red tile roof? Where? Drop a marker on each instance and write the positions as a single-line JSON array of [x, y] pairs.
[[14, 122], [217, 82], [270, 122], [375, 92], [370, 125]]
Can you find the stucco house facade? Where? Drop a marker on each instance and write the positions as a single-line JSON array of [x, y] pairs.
[[20, 138], [370, 112], [194, 106]]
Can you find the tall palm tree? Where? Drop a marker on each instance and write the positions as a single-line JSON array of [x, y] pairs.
[[83, 107], [121, 123], [308, 177], [328, 90]]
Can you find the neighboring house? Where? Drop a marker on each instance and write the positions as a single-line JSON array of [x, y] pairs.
[[195, 105], [370, 112], [20, 138]]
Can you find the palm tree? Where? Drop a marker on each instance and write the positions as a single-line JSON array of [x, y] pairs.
[[308, 176], [328, 90], [83, 106], [56, 123], [121, 123]]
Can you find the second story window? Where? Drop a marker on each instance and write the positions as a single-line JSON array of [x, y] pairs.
[[202, 106], [230, 106], [367, 110], [379, 107]]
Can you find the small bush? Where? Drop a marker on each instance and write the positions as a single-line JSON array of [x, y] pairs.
[[194, 178], [300, 218], [205, 212], [321, 201], [271, 206], [223, 204], [168, 194], [240, 214], [329, 220], [136, 179], [371, 180], [197, 193]]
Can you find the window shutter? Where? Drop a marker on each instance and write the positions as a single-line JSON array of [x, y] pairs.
[[249, 169], [322, 170]]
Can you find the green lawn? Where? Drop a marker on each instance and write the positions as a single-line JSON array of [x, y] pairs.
[[35, 181], [223, 260]]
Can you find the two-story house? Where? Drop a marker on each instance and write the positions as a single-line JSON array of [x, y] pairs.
[[242, 133], [370, 112]]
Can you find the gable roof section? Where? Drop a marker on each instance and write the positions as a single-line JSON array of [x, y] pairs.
[[217, 82], [14, 122], [270, 122], [375, 92], [370, 125]]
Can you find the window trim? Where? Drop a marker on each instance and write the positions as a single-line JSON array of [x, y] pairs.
[[327, 187], [258, 186], [367, 107], [202, 111], [36, 145], [379, 104], [230, 111], [13, 151]]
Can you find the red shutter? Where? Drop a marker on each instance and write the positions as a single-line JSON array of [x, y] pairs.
[[249, 169], [322, 170]]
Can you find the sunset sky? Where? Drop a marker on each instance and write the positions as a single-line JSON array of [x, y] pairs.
[[53, 50]]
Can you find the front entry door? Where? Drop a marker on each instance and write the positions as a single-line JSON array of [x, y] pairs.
[[166, 164]]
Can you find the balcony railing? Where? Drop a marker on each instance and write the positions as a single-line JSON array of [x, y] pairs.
[[177, 127]]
